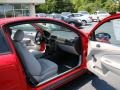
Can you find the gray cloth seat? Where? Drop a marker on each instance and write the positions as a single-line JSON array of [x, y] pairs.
[[39, 69], [36, 53]]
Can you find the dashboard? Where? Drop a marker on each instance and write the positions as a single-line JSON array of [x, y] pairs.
[[65, 40]]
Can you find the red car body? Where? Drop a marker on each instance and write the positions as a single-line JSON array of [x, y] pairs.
[[12, 76]]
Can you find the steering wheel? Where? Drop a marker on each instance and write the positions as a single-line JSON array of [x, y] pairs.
[[42, 37], [39, 38]]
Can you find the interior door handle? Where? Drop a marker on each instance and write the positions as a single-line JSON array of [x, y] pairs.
[[98, 45]]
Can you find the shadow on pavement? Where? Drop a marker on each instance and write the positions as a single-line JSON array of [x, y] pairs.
[[87, 82]]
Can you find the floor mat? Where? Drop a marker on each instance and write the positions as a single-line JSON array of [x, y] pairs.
[[64, 60], [62, 68]]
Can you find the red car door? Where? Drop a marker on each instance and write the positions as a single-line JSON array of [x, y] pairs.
[[104, 51]]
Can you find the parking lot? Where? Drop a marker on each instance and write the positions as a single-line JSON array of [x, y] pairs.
[[87, 82], [89, 27]]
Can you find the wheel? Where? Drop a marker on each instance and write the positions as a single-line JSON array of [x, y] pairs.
[[84, 22], [74, 24]]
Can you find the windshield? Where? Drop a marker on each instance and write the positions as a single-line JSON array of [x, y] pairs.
[[52, 27], [83, 12], [57, 16], [102, 12], [66, 13], [77, 15]]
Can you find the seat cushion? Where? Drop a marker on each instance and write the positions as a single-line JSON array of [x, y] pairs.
[[47, 65], [48, 69], [37, 54]]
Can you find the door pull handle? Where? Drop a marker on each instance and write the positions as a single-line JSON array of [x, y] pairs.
[[98, 45]]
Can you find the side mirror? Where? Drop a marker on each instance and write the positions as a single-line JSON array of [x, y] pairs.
[[103, 36]]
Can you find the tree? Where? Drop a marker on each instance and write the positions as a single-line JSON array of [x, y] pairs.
[[110, 6], [59, 6], [88, 5], [41, 8], [79, 4], [56, 6]]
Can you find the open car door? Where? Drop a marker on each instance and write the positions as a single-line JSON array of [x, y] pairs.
[[104, 51]]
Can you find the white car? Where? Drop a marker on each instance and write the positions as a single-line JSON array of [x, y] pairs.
[[84, 13], [65, 13], [85, 19], [99, 15], [40, 15]]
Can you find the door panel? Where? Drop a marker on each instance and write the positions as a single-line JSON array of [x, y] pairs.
[[100, 57], [105, 62], [111, 65]]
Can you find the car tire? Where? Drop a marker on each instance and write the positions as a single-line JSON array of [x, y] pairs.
[[84, 22]]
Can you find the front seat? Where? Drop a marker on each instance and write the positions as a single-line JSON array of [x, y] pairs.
[[37, 70]]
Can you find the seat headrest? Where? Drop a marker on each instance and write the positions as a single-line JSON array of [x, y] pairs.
[[19, 35]]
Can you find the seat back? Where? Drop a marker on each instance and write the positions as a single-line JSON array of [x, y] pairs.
[[30, 64]]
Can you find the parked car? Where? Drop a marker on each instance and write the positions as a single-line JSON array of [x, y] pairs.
[[84, 18], [40, 15], [65, 13], [99, 15], [73, 21], [68, 53], [84, 13]]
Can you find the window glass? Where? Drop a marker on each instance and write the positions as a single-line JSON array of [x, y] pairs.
[[78, 15], [54, 27], [58, 30], [109, 32], [26, 13], [9, 11], [28, 30], [17, 6], [2, 11], [102, 12], [25, 6], [3, 45], [14, 10], [25, 27], [18, 13]]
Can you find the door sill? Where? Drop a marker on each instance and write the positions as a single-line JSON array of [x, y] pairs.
[[57, 76]]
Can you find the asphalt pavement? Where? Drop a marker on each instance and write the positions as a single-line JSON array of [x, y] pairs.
[[87, 82], [88, 27]]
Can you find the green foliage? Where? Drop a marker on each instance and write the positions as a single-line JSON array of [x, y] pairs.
[[56, 6], [59, 6], [110, 6]]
